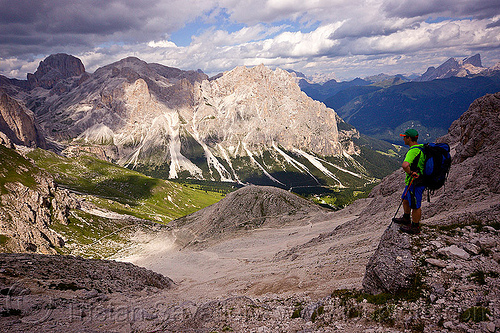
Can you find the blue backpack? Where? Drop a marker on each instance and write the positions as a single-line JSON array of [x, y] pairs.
[[437, 165]]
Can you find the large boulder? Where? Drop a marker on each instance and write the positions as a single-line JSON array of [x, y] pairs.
[[391, 268]]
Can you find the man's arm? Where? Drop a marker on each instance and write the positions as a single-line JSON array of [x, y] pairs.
[[406, 168]]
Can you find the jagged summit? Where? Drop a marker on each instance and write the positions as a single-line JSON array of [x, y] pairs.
[[249, 125], [55, 68], [454, 67], [246, 125]]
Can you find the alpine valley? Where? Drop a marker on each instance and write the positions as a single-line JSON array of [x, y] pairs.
[[248, 125]]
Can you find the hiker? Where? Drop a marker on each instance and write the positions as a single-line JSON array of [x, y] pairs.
[[413, 166]]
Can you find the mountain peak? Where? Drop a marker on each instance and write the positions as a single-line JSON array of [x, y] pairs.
[[454, 67], [475, 60], [266, 107], [55, 68]]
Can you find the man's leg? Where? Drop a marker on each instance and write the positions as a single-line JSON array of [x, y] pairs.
[[406, 207], [416, 212], [405, 219], [416, 215]]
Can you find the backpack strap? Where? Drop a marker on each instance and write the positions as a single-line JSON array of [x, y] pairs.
[[414, 163]]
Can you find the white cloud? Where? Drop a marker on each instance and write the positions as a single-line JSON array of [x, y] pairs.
[[162, 44]]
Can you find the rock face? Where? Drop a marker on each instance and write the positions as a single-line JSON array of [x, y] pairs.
[[27, 210], [248, 208], [55, 68], [249, 125], [477, 132], [154, 116], [264, 107], [18, 123]]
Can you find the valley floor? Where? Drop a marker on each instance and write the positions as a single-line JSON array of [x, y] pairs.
[[285, 261]]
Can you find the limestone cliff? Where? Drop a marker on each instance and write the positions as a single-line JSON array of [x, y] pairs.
[[18, 123], [247, 125], [257, 107], [55, 68]]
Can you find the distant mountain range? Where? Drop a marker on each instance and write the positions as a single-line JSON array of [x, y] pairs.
[[383, 106], [247, 125]]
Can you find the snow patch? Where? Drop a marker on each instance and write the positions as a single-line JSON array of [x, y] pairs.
[[317, 163], [260, 166], [299, 166]]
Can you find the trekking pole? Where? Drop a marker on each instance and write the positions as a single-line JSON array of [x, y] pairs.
[[404, 195]]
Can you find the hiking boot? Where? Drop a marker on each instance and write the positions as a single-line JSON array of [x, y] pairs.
[[412, 228], [402, 220]]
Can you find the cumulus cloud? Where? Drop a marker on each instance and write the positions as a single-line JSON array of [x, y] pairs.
[[341, 36]]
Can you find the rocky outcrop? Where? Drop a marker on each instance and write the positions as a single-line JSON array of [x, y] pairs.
[[30, 203], [477, 134], [27, 214], [477, 129], [455, 261], [76, 273], [54, 69], [18, 123], [5, 141], [391, 268]]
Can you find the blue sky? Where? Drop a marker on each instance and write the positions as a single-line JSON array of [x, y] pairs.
[[340, 39]]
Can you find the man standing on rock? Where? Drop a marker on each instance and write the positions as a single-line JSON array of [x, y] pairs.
[[413, 165]]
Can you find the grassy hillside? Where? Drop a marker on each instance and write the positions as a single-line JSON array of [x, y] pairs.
[[122, 190], [15, 168], [118, 204]]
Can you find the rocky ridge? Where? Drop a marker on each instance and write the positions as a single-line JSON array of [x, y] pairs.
[[453, 67], [248, 208]]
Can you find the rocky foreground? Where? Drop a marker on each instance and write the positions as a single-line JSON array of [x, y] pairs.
[[444, 280], [454, 287]]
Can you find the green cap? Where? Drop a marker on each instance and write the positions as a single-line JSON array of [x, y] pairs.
[[410, 132]]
